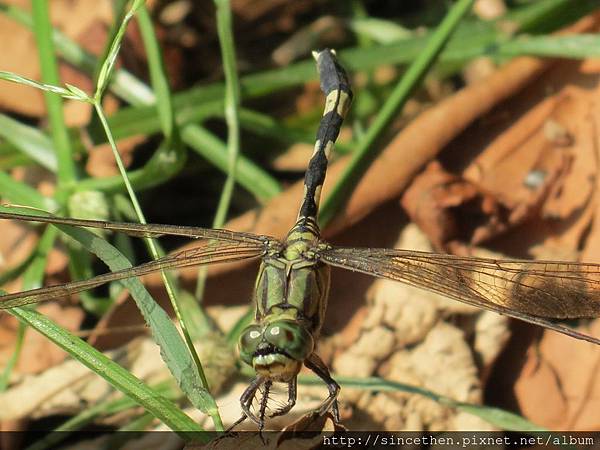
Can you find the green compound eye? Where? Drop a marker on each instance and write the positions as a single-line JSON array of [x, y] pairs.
[[249, 340], [290, 337]]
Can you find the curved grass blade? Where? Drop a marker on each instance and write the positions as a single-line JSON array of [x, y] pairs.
[[500, 418], [30, 141], [169, 413]]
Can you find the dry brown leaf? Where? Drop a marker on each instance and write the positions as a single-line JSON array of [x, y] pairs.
[[448, 208], [559, 392]]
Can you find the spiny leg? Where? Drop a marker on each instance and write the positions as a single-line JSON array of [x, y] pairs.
[[235, 424], [315, 364], [292, 394], [263, 404], [246, 402]]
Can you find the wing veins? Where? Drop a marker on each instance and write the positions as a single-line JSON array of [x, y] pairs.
[[192, 257], [144, 230], [418, 270]]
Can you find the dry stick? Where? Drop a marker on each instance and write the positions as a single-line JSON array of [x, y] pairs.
[[402, 159]]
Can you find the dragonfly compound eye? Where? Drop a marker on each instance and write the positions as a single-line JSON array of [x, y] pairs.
[[249, 341], [292, 338]]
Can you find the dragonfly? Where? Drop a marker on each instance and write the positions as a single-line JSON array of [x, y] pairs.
[[292, 285]]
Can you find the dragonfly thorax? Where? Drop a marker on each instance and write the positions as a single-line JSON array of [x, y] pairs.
[[291, 296]]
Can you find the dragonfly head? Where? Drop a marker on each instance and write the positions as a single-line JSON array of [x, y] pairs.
[[276, 349]]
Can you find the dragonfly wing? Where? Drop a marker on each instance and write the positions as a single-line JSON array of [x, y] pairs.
[[210, 253], [533, 291], [143, 230]]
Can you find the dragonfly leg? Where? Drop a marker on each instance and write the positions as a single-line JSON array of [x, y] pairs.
[[247, 398], [235, 424], [315, 364], [292, 394], [263, 406]]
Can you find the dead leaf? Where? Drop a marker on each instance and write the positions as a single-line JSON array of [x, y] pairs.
[[557, 392], [448, 208]]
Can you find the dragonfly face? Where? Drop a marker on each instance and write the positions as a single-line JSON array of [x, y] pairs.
[[276, 349]]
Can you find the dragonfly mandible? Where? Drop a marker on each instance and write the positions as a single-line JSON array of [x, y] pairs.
[[293, 281]]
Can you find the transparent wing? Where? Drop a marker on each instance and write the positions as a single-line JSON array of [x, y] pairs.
[[533, 291], [210, 253], [141, 230]]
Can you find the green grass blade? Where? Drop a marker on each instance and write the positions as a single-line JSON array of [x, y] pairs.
[[548, 15], [69, 92], [179, 359], [366, 151], [158, 78], [165, 113], [49, 72], [30, 141], [108, 64], [570, 46], [500, 418], [23, 194], [232, 105], [231, 110], [163, 409]]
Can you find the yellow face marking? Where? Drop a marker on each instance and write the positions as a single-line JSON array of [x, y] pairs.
[[277, 367]]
